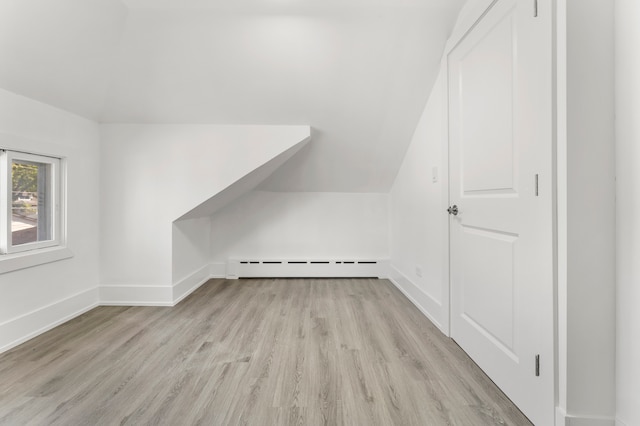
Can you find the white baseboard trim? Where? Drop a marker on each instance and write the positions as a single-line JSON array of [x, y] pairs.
[[189, 284], [423, 301], [27, 326], [564, 419], [140, 295], [132, 295]]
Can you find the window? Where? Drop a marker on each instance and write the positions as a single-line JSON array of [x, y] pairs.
[[30, 202]]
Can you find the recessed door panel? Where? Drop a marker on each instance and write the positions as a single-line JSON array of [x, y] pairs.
[[488, 284], [486, 84]]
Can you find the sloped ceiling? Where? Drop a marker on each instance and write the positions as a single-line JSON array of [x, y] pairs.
[[359, 72]]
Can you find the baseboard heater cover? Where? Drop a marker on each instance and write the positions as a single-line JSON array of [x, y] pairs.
[[320, 268]]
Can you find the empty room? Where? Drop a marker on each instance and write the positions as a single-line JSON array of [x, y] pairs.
[[305, 212]]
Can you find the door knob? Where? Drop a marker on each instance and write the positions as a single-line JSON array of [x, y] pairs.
[[453, 210]]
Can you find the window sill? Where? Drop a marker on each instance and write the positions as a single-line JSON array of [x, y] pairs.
[[28, 259]]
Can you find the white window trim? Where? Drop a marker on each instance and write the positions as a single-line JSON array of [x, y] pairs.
[[33, 254], [28, 259]]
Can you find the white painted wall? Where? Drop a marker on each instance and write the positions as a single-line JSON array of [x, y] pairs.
[[35, 299], [191, 255], [586, 213], [191, 246], [308, 225], [627, 39], [153, 175], [418, 221], [359, 71], [418, 232]]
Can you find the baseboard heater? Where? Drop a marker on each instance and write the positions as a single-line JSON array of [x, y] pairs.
[[321, 268]]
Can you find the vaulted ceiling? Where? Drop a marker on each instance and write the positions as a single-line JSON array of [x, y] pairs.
[[358, 71]]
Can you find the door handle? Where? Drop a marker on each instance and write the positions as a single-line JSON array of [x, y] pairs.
[[453, 210]]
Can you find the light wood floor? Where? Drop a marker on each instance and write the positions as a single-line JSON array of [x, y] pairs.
[[256, 352]]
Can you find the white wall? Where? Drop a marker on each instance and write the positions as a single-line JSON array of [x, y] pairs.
[[359, 73], [191, 259], [418, 221], [586, 214], [628, 210], [419, 226], [153, 175], [307, 225], [191, 246], [35, 299]]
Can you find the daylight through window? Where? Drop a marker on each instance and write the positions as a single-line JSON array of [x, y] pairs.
[[30, 201]]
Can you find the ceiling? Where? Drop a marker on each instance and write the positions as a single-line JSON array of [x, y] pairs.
[[358, 71]]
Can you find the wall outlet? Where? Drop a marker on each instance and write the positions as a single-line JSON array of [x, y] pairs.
[[418, 271]]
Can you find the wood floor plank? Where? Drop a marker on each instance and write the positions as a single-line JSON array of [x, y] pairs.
[[252, 352]]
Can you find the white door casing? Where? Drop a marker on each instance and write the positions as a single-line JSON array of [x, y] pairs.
[[501, 174]]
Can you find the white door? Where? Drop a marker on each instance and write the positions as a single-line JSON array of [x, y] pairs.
[[501, 240]]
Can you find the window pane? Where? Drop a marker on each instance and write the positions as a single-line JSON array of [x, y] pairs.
[[31, 210]]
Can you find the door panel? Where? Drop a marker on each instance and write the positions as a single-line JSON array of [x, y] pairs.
[[501, 241], [486, 72], [487, 293]]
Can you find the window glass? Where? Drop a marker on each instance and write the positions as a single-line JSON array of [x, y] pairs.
[[30, 202]]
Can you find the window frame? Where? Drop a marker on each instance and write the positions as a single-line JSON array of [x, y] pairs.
[[54, 190]]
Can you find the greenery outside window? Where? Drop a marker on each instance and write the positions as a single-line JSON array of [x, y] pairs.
[[30, 193]]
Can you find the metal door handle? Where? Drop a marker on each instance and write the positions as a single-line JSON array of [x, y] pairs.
[[453, 210]]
